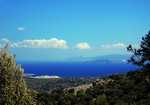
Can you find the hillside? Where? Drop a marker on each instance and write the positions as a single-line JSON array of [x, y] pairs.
[[132, 88], [46, 85]]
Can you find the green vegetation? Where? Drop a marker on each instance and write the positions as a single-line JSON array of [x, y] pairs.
[[131, 88], [13, 90], [141, 56], [47, 85]]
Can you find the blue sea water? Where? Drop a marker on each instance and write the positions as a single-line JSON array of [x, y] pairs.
[[65, 69]]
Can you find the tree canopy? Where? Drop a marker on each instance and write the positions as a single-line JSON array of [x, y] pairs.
[[13, 90], [141, 55]]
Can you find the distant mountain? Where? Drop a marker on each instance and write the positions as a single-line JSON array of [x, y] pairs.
[[101, 61], [116, 58]]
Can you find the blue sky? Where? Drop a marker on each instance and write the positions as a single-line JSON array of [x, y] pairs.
[[62, 29]]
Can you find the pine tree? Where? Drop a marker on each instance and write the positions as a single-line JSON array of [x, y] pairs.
[[13, 90], [141, 56]]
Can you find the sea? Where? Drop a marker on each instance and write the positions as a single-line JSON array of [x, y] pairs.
[[74, 69]]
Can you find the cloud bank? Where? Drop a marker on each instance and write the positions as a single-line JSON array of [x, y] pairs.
[[42, 43], [55, 43], [115, 45], [37, 43]]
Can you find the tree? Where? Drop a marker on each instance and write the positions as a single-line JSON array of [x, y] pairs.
[[13, 90], [101, 100], [141, 56]]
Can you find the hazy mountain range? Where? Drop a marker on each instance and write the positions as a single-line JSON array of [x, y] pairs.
[[115, 58]]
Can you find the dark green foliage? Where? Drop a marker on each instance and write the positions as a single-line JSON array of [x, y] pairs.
[[101, 100], [43, 99], [47, 85], [132, 88], [13, 90], [141, 56], [81, 93]]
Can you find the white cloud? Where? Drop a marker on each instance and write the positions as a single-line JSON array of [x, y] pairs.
[[20, 28], [115, 45], [83, 45], [41, 43]]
